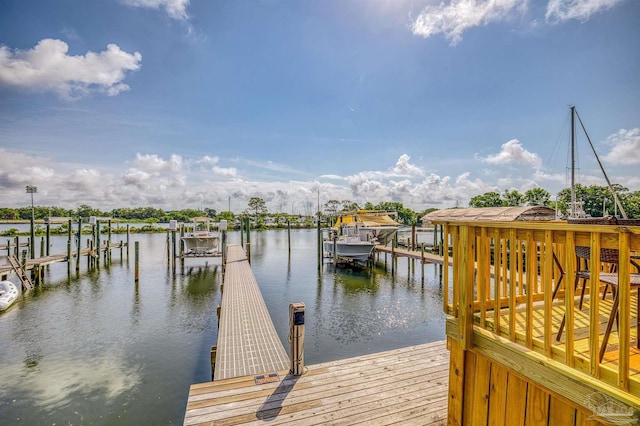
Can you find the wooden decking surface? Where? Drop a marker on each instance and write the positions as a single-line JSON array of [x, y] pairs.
[[407, 386], [581, 333], [248, 343]]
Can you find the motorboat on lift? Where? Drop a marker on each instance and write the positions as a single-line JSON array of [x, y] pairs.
[[350, 243], [371, 224], [9, 293], [201, 241]]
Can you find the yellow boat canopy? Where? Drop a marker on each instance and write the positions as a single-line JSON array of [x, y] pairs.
[[367, 218]]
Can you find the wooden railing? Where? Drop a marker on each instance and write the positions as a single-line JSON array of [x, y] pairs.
[[504, 279]]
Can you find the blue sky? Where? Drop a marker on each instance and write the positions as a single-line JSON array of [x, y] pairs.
[[192, 103]]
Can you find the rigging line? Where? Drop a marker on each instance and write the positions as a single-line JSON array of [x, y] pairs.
[[615, 195]]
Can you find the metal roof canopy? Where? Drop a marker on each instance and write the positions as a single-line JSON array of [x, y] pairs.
[[492, 214]]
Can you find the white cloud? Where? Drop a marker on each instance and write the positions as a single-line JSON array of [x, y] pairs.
[[175, 183], [456, 17], [625, 147], [136, 177], [49, 67], [404, 168], [176, 9], [564, 10], [153, 163], [512, 152]]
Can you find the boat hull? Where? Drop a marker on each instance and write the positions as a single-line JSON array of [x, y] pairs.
[[360, 250], [9, 293], [200, 243]]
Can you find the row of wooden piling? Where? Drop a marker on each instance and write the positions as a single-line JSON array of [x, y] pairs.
[[93, 250]]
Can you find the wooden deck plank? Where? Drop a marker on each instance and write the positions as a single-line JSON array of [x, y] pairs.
[[248, 343], [580, 331], [401, 386], [368, 371]]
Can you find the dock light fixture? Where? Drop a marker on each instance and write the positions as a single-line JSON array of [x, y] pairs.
[[32, 189]]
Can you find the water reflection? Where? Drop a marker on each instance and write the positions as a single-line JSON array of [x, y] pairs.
[[50, 383], [95, 347]]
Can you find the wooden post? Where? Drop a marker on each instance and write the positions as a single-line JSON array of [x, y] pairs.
[[214, 352], [182, 230], [422, 259], [32, 241], [69, 234], [249, 240], [168, 248], [335, 251], [393, 255], [17, 248], [108, 253], [127, 241], [296, 331], [90, 255], [48, 237], [98, 243], [320, 247], [435, 238], [173, 250], [8, 248], [413, 236], [289, 236], [137, 262], [41, 246], [79, 243]]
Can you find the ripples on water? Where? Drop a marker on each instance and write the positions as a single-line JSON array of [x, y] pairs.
[[99, 349]]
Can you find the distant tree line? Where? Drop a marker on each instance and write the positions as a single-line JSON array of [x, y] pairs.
[[598, 201], [142, 214]]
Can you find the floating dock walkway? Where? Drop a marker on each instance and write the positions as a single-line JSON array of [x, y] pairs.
[[407, 386], [248, 343], [253, 382]]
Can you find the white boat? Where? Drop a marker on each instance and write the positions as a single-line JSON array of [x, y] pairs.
[[351, 244], [9, 292], [372, 224], [201, 242]]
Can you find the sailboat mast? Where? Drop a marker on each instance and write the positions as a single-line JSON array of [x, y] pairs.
[[616, 200], [573, 163]]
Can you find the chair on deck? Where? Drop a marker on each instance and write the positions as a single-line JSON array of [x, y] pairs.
[[608, 277], [583, 255], [612, 280]]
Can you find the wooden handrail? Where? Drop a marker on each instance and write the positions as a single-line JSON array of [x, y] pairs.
[[507, 278]]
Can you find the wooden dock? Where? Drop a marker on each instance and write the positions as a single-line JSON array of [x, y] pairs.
[[248, 343], [406, 386], [64, 257], [425, 256]]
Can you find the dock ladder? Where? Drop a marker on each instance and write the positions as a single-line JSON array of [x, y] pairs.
[[22, 274]]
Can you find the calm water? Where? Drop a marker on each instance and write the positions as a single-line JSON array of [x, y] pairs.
[[99, 349]]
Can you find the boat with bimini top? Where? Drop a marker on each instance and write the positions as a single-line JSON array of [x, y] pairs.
[[201, 241], [371, 224], [348, 242]]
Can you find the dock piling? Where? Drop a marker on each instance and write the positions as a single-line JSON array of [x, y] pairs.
[[296, 335], [137, 262]]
